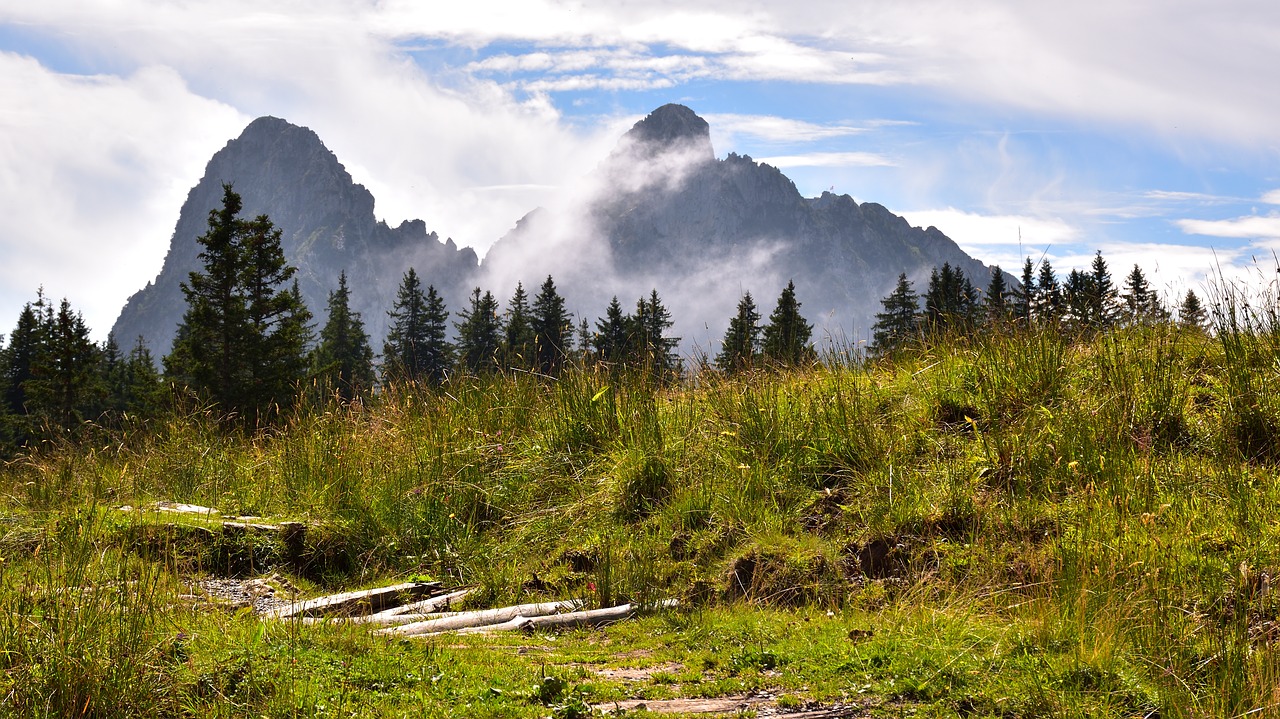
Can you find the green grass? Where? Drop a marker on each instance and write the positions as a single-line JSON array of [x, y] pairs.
[[1023, 524]]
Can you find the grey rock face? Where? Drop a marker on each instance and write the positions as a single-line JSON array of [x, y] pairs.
[[704, 230], [327, 226]]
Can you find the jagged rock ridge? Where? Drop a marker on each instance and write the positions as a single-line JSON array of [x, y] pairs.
[[327, 226], [704, 230]]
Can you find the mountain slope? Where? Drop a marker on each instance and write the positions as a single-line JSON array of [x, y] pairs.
[[327, 226], [663, 212]]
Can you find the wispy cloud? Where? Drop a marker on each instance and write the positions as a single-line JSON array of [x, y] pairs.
[[1251, 227], [829, 159]]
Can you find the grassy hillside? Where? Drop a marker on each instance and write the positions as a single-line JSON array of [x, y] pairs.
[[1022, 524]]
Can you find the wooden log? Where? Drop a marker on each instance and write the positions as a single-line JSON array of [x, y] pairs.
[[185, 508], [403, 614], [530, 623], [483, 617], [348, 603]]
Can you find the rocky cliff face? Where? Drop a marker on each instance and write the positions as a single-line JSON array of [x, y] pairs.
[[702, 231], [327, 226]]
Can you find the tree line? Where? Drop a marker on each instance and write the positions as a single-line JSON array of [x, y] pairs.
[[1086, 301], [247, 345]]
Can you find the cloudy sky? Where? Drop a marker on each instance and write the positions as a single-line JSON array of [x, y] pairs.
[[1148, 130]]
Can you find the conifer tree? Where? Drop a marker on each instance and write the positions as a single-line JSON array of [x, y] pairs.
[[144, 392], [950, 300], [786, 337], [519, 340], [243, 339], [742, 340], [404, 349], [648, 342], [552, 329], [899, 319], [24, 344], [436, 353], [1102, 294], [479, 333], [65, 388], [1141, 304], [997, 302], [344, 357], [611, 341], [1025, 297], [1077, 298], [1191, 313], [1048, 294]]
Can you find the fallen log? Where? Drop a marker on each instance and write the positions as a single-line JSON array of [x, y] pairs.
[[348, 603], [403, 614], [480, 618], [589, 618]]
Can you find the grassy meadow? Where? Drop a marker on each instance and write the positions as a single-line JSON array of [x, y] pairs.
[[1022, 524]]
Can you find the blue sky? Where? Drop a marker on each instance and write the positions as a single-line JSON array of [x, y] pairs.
[[1144, 129]]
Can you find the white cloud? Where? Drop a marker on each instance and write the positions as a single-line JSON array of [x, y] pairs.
[[1272, 197], [93, 171], [981, 235], [775, 129], [829, 159], [1255, 226]]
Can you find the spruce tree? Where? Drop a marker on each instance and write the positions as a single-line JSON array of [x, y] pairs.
[[1140, 303], [1048, 294], [243, 339], [997, 303], [552, 329], [1025, 297], [611, 341], [951, 300], [786, 337], [343, 358], [436, 353], [519, 340], [648, 342], [479, 333], [1077, 297], [403, 351], [24, 344], [1102, 297], [1191, 313], [742, 340], [144, 392], [899, 319], [65, 387]]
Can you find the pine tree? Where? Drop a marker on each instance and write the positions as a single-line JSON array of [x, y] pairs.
[[997, 303], [611, 341], [65, 388], [742, 340], [786, 337], [243, 339], [900, 318], [552, 329], [1102, 294], [951, 300], [520, 341], [1077, 298], [1048, 304], [435, 354], [1026, 296], [343, 357], [1140, 303], [479, 333], [404, 353], [144, 393], [648, 342], [1191, 313], [24, 344]]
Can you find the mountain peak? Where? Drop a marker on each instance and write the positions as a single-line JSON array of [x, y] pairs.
[[672, 126]]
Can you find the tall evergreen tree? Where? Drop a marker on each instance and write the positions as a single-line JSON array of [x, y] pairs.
[[1191, 313], [1077, 294], [65, 388], [403, 351], [611, 341], [25, 343], [1141, 304], [144, 392], [243, 339], [437, 350], [1102, 294], [1026, 296], [552, 329], [786, 337], [648, 342], [950, 300], [344, 357], [519, 341], [1048, 304], [997, 302], [899, 319], [742, 340], [479, 333]]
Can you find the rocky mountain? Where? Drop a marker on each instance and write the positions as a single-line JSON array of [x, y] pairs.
[[327, 226], [663, 212]]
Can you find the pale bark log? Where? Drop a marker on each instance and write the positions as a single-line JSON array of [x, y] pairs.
[[483, 617], [369, 600]]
